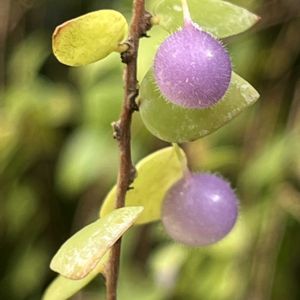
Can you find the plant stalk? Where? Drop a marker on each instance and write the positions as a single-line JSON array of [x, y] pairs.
[[140, 23]]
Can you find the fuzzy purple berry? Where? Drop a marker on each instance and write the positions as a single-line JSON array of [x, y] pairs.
[[192, 68], [200, 209]]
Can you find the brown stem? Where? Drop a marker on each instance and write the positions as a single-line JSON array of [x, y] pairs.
[[140, 23]]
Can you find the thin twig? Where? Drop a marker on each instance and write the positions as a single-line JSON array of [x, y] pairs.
[[140, 23]]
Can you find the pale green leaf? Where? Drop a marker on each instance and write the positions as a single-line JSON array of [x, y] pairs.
[[218, 17], [62, 288], [81, 253], [89, 38], [156, 174], [175, 123]]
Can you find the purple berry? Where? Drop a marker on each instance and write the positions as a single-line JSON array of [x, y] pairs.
[[200, 209], [191, 68]]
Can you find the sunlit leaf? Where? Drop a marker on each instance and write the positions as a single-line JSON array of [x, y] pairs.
[[89, 38], [218, 17], [156, 173], [174, 123], [63, 288], [80, 254]]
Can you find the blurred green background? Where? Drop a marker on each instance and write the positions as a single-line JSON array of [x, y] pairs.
[[58, 160]]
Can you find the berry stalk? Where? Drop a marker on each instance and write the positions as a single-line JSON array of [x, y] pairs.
[[186, 12]]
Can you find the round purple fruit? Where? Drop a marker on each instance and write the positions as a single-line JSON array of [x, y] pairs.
[[200, 209], [192, 68]]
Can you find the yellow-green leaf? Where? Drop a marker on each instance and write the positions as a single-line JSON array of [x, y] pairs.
[[89, 38], [218, 17], [80, 254], [62, 288], [156, 173]]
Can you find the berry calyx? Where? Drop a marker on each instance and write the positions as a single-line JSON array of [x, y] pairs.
[[200, 209]]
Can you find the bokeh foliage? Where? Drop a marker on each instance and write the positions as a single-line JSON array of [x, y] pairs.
[[58, 160]]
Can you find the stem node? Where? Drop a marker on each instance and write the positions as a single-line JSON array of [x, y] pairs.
[[116, 130]]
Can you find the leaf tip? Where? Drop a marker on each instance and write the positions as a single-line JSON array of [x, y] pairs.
[[53, 265]]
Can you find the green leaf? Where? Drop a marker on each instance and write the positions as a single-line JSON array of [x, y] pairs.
[[218, 17], [63, 288], [173, 123], [149, 48], [271, 164], [27, 59], [86, 156], [89, 38], [156, 174], [80, 254]]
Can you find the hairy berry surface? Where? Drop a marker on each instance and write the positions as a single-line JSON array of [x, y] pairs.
[[192, 68], [200, 209]]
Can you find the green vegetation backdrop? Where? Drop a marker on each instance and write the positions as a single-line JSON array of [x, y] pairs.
[[58, 160]]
